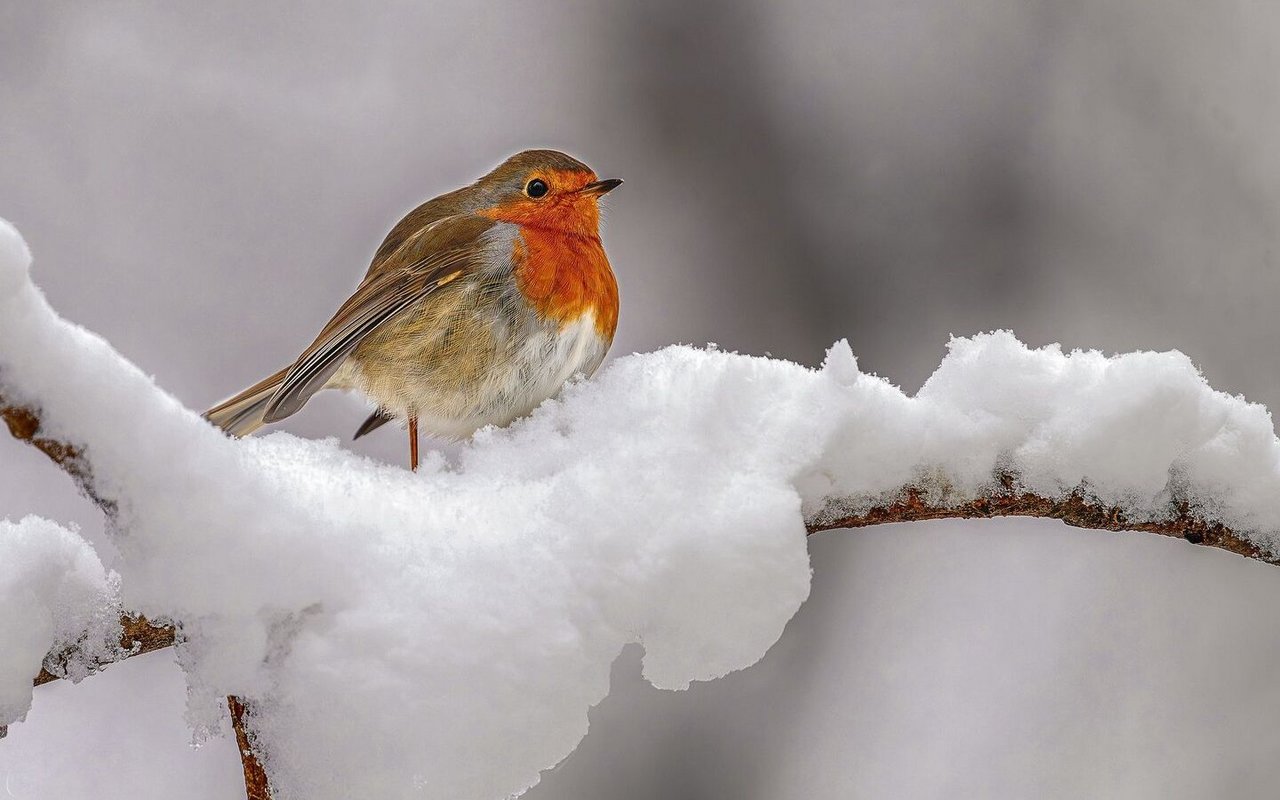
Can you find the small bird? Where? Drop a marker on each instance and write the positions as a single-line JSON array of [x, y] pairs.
[[478, 305]]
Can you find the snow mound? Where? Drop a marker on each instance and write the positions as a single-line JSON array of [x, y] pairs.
[[444, 634], [55, 597], [15, 259]]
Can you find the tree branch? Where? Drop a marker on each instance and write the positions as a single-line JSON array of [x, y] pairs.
[[24, 425], [139, 636], [255, 777], [1183, 522]]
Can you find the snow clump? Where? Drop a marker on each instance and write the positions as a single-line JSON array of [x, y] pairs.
[[55, 597]]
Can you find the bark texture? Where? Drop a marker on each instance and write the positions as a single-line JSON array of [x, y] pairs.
[[255, 777], [1182, 522]]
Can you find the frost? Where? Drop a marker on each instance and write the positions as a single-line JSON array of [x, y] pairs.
[[444, 634]]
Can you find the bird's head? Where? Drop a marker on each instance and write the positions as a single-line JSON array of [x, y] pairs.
[[547, 189]]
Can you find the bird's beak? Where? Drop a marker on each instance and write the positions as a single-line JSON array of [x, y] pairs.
[[601, 187]]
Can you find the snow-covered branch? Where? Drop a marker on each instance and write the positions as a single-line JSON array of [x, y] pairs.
[[444, 633], [141, 636], [138, 635]]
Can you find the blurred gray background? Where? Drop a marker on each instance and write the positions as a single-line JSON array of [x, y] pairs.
[[203, 184]]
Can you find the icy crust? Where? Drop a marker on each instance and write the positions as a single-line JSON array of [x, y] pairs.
[[55, 597], [444, 634]]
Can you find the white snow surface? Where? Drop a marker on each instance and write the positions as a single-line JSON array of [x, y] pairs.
[[55, 598], [443, 634]]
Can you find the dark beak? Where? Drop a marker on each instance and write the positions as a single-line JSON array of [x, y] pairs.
[[602, 187]]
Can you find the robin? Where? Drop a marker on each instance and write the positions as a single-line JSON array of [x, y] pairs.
[[478, 306]]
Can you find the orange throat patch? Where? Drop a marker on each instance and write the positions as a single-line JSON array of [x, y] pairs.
[[565, 275], [559, 263]]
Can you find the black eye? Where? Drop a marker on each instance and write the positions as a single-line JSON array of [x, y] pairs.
[[536, 188]]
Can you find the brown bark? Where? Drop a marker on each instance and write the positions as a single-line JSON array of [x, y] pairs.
[[139, 636], [1181, 522], [255, 777], [24, 425]]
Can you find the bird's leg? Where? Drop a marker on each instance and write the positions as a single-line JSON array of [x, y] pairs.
[[413, 442]]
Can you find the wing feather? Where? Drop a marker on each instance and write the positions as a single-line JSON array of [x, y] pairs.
[[434, 256]]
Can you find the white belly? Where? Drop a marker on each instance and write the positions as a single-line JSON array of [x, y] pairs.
[[526, 377]]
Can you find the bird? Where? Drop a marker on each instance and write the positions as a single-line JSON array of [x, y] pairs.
[[478, 305]]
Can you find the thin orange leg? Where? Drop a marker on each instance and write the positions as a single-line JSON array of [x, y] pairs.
[[413, 443]]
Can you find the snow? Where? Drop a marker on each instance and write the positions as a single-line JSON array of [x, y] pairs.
[[444, 634], [55, 597], [1134, 430], [118, 736]]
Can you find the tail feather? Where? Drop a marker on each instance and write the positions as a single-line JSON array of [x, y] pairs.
[[376, 420], [242, 415]]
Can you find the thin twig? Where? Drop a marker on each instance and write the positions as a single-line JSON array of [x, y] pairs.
[[139, 636], [255, 777], [24, 425], [1182, 522]]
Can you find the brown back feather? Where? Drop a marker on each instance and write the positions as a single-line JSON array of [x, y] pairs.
[[427, 259]]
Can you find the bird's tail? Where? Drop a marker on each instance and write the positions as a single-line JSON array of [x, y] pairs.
[[242, 415]]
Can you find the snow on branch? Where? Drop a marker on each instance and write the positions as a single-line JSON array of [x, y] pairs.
[[444, 634], [58, 610]]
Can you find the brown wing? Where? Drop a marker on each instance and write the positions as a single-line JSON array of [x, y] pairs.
[[430, 258], [459, 201]]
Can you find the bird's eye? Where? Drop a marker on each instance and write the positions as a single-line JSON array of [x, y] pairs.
[[536, 188]]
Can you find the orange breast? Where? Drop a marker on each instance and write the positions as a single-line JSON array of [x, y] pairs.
[[566, 274]]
